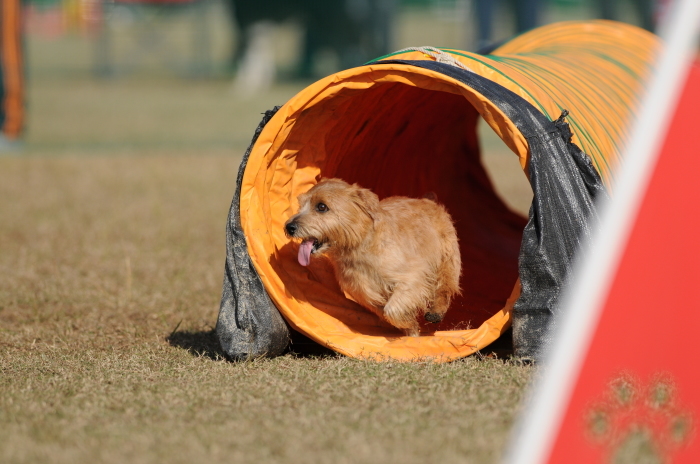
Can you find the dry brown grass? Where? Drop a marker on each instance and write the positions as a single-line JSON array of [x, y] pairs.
[[151, 403], [87, 240], [102, 257]]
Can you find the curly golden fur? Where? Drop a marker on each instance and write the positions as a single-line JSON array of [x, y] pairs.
[[398, 257]]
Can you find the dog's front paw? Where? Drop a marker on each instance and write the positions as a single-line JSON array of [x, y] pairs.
[[433, 317]]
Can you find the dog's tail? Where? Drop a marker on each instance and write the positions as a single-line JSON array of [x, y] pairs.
[[432, 196]]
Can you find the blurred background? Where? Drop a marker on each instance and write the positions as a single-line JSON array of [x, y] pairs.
[[172, 75], [122, 127]]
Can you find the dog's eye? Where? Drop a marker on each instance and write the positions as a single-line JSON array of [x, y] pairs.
[[321, 208]]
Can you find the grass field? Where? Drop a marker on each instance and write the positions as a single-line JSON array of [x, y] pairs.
[[111, 261]]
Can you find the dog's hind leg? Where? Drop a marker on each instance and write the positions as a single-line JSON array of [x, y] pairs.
[[441, 303], [447, 286]]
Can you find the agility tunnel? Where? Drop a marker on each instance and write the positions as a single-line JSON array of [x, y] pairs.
[[560, 97]]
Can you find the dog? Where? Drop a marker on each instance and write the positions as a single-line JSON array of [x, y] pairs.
[[398, 257]]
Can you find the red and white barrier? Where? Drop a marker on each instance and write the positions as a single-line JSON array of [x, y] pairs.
[[623, 378]]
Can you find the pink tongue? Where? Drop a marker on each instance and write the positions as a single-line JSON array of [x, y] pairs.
[[305, 252]]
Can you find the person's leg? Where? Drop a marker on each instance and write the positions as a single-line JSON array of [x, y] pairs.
[[484, 22], [607, 9], [526, 15], [645, 9]]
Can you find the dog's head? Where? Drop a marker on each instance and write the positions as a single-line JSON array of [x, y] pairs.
[[334, 216]]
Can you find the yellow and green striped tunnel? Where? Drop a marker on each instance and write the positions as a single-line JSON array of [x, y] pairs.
[[401, 129]]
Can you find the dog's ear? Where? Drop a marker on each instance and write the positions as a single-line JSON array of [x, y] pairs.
[[303, 198], [367, 200]]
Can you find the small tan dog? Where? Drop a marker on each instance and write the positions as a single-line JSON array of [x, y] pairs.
[[397, 257]]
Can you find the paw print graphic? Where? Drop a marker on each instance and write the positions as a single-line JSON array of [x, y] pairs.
[[640, 423]]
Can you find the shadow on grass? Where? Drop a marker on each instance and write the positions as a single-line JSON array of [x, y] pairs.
[[201, 343], [204, 343], [301, 346], [502, 348]]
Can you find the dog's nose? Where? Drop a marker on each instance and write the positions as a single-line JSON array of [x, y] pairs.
[[291, 228]]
